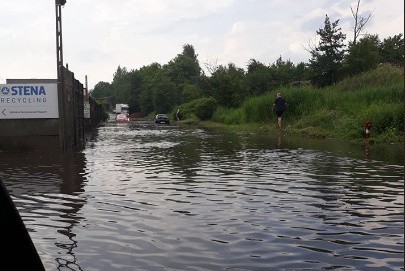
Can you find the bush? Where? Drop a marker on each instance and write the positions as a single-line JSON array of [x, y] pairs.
[[202, 108], [385, 116], [104, 114], [230, 116], [258, 109]]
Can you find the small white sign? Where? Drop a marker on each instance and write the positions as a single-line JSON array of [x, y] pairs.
[[29, 101], [86, 109]]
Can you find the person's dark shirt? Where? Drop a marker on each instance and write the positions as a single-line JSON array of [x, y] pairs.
[[280, 104]]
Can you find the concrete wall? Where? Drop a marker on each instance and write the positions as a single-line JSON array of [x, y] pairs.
[[71, 112], [95, 115], [66, 133], [17, 134]]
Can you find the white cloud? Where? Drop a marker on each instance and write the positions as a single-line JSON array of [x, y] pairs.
[[100, 35]]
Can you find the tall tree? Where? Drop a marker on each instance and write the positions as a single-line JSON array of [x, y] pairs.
[[359, 22], [283, 71], [258, 78], [228, 86], [188, 50], [184, 68], [135, 85], [101, 90], [363, 55], [150, 76], [301, 74], [119, 73], [392, 50], [164, 94], [326, 61], [121, 86]]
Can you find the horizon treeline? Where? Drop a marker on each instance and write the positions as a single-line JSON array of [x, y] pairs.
[[161, 88]]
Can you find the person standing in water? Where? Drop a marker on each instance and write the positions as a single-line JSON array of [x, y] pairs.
[[178, 114], [279, 107]]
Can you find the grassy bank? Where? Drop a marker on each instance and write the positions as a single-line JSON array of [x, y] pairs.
[[338, 111]]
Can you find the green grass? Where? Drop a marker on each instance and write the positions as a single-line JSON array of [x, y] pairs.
[[338, 111]]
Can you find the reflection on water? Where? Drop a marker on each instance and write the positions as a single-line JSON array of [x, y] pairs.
[[44, 187], [147, 197]]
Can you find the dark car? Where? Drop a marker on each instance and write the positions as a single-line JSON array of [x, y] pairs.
[[162, 119]]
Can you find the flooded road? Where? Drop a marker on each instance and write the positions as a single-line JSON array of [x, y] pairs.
[[155, 197]]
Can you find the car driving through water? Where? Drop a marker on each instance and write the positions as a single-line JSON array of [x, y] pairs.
[[162, 119], [122, 118]]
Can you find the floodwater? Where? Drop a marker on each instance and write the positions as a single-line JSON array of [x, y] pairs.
[[142, 196]]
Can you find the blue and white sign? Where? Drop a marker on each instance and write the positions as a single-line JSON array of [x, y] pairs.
[[29, 101]]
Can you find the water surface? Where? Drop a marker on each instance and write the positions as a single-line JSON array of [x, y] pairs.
[[155, 197]]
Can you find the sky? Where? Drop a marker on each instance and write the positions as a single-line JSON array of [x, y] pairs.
[[98, 36]]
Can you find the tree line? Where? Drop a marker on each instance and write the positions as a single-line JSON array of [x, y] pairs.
[[162, 88]]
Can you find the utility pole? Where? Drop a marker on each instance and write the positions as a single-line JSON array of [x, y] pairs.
[[59, 67], [86, 93], [59, 51]]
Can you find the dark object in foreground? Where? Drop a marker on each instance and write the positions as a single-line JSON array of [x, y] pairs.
[[19, 252], [162, 118]]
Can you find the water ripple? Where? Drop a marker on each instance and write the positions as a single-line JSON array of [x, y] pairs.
[[148, 197]]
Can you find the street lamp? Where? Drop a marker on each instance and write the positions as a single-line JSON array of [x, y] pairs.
[[59, 51]]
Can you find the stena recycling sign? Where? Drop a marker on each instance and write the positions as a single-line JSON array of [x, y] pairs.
[[28, 101]]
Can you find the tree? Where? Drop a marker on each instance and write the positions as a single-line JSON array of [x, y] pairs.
[[119, 73], [101, 89], [188, 50], [258, 78], [326, 61], [359, 22], [227, 86], [211, 65], [191, 92], [150, 76], [135, 86], [121, 86], [283, 71], [184, 68], [164, 95], [301, 74], [363, 55], [392, 50], [184, 71]]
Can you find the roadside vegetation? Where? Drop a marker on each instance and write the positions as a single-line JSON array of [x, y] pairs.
[[331, 96], [338, 111]]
